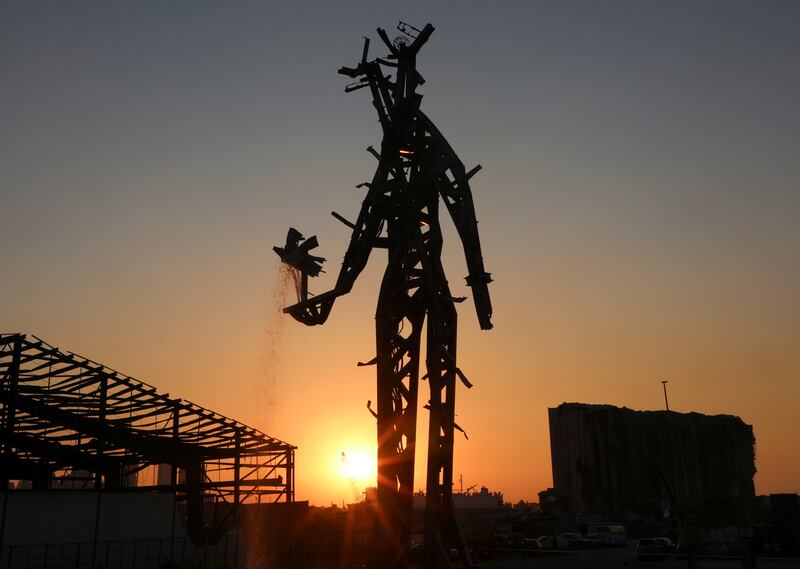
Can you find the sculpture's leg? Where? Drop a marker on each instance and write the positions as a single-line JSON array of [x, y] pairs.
[[442, 533], [399, 320]]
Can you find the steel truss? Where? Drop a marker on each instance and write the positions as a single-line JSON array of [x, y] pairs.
[[416, 166], [70, 422]]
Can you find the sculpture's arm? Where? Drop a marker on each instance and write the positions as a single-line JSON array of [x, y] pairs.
[[453, 184], [314, 309], [458, 200]]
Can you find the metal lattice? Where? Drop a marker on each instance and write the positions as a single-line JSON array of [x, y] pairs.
[[69, 422]]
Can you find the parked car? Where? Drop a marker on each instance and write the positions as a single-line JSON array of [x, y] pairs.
[[532, 546], [574, 539], [593, 541], [531, 543], [611, 534], [650, 547], [416, 553], [554, 542], [547, 541]]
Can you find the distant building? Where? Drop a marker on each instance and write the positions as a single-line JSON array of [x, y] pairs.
[[549, 501], [482, 500], [462, 501], [785, 509], [608, 459]]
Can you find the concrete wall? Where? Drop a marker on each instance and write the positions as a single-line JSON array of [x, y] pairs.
[[65, 516]]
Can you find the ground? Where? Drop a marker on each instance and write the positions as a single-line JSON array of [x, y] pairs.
[[621, 557]]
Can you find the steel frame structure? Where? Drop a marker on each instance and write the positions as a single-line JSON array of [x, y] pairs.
[[400, 213], [64, 414]]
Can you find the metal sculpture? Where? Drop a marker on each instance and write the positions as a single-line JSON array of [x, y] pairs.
[[400, 213]]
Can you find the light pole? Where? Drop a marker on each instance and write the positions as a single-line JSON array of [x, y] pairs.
[[664, 383]]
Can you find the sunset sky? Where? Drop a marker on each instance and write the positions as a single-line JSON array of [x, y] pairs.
[[638, 206]]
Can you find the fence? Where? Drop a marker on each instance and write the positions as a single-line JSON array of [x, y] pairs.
[[164, 553]]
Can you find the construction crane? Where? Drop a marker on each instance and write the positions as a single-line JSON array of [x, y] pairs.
[[400, 213], [350, 480]]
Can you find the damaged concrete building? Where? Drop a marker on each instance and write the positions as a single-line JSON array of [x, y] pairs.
[[609, 459]]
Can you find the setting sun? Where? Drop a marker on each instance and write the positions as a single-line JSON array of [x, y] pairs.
[[359, 465]]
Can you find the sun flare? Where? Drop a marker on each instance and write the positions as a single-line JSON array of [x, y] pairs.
[[359, 465]]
